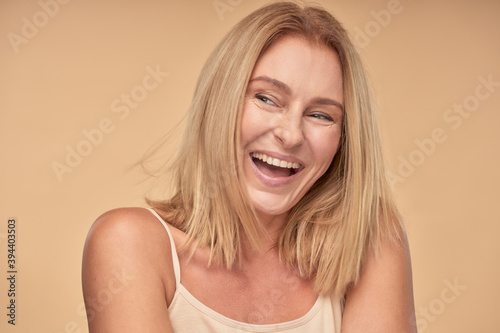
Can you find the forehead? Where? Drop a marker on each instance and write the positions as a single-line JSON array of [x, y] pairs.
[[305, 66]]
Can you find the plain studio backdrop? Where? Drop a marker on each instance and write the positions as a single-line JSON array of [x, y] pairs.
[[87, 87]]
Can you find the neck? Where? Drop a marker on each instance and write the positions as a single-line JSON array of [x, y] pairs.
[[273, 227]]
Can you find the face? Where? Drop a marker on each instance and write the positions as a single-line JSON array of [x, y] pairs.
[[291, 123]]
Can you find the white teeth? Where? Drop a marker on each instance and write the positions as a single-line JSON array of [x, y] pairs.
[[275, 161]]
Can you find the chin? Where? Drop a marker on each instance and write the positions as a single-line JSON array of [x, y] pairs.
[[271, 205]]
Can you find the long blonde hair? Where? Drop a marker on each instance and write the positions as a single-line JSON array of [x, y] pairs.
[[348, 211]]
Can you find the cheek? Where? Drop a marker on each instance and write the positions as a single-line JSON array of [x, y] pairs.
[[245, 125], [253, 123], [325, 146]]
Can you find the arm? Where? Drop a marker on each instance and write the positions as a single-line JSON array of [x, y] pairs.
[[127, 273], [382, 300]]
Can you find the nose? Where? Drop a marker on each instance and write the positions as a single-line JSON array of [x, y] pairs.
[[289, 131]]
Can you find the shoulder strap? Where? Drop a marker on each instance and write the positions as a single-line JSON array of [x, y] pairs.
[[175, 258], [338, 308]]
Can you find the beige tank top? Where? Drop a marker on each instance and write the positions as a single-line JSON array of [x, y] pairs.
[[187, 314]]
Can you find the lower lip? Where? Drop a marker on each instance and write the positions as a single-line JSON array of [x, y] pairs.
[[272, 181]]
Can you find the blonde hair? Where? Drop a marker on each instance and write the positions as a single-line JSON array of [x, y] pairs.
[[349, 210]]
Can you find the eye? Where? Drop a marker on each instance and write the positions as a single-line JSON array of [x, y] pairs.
[[264, 99], [321, 117]]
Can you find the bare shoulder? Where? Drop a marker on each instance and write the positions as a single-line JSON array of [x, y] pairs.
[[131, 236], [382, 300], [130, 224], [127, 268]]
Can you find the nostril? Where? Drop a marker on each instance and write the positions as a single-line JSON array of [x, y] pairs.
[[289, 133], [289, 138]]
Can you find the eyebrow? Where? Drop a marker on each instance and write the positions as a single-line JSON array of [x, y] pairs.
[[277, 83], [286, 89]]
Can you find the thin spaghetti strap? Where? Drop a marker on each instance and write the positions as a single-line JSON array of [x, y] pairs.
[[175, 258], [338, 308]]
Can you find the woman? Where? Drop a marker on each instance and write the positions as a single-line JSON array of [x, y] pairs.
[[282, 219]]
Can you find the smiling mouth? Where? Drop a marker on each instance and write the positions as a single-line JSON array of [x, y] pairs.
[[274, 167]]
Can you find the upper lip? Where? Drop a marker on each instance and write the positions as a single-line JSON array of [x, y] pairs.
[[282, 157]]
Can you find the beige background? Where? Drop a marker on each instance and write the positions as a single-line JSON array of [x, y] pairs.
[[63, 79]]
